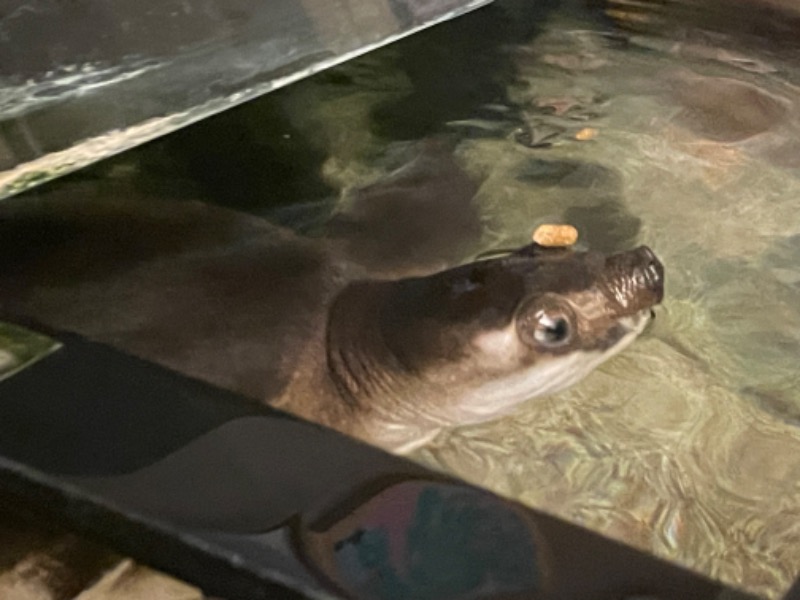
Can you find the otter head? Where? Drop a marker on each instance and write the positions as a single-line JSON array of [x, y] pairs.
[[471, 343]]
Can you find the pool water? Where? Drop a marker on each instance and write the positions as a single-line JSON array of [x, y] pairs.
[[677, 126], [687, 445]]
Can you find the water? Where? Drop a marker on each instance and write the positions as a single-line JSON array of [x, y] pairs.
[[686, 445], [669, 125]]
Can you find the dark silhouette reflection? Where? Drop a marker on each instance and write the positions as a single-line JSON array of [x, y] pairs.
[[251, 158], [458, 66], [726, 110], [418, 218], [593, 205]]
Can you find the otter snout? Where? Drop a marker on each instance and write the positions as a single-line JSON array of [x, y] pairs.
[[651, 272], [635, 279]]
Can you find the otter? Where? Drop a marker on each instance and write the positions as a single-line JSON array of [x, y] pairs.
[[388, 349]]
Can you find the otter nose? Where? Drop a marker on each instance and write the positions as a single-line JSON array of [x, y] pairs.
[[635, 279], [651, 271]]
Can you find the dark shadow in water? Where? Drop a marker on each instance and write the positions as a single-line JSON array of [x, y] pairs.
[[458, 66], [726, 110], [779, 403], [250, 158], [421, 216], [593, 205], [607, 227]]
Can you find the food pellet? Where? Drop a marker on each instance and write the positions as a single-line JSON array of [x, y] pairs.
[[555, 235], [587, 133]]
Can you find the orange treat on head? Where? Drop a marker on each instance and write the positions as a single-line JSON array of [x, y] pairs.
[[555, 235]]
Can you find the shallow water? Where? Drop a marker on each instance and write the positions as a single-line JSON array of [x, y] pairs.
[[639, 126]]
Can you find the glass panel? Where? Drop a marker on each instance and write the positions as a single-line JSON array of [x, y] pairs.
[[82, 81]]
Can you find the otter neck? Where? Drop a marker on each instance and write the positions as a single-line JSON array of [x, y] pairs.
[[360, 364], [369, 378]]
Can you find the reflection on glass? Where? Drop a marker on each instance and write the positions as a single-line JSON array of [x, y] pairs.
[[79, 82], [20, 347]]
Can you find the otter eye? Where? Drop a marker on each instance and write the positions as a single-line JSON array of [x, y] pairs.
[[552, 329], [546, 322]]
